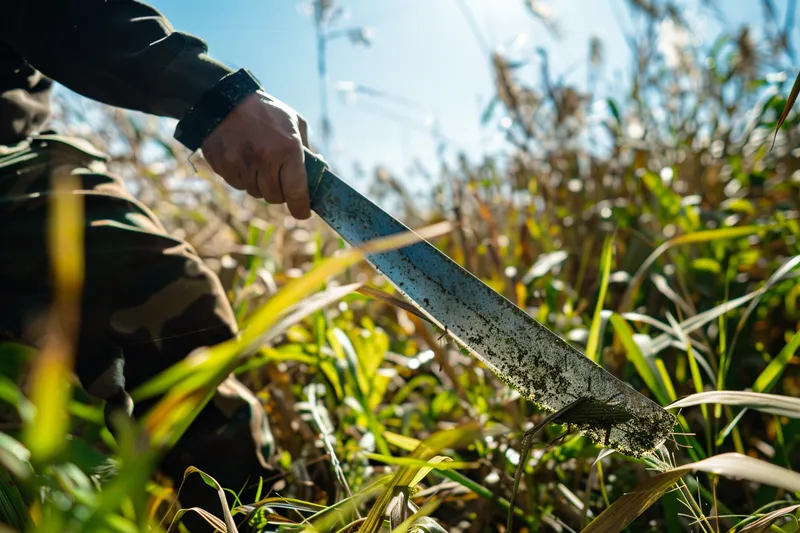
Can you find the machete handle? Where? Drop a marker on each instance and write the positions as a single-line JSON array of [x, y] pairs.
[[315, 169]]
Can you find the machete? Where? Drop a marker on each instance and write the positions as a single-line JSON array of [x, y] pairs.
[[523, 353]]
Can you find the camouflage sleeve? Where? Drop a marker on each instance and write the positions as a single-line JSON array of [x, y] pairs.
[[120, 52]]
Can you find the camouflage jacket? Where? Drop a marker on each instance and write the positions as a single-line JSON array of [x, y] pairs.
[[120, 52]]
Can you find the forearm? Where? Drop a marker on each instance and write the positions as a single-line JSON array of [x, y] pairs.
[[126, 54], [120, 52]]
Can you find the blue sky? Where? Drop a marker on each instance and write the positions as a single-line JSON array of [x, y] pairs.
[[422, 50]]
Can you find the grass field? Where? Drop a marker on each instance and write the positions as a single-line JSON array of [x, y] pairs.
[[668, 253]]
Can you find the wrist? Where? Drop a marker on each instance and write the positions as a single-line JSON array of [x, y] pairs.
[[213, 106]]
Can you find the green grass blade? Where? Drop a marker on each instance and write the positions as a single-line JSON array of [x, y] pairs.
[[779, 275], [440, 462], [697, 378], [480, 490], [787, 107], [701, 319], [635, 356], [12, 508], [689, 238], [46, 438], [593, 345], [666, 379], [321, 419], [774, 370], [205, 369], [459, 436]]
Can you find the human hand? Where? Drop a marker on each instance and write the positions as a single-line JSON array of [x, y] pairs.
[[258, 148]]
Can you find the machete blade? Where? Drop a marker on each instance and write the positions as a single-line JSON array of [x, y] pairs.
[[527, 356]]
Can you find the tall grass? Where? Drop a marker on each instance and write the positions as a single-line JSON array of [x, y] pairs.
[[669, 255]]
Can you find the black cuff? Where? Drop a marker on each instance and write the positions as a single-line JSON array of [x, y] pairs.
[[214, 106]]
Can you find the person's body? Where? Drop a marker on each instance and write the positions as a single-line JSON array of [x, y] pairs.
[[148, 300]]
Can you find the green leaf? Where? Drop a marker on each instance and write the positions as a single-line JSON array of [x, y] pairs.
[[612, 106], [12, 507], [694, 369], [10, 393], [459, 436], [666, 379], [787, 107], [211, 482], [322, 420], [15, 457], [706, 264], [701, 319], [712, 235], [440, 462], [343, 510], [593, 345], [770, 375], [779, 275], [206, 368], [46, 436], [488, 111], [129, 486], [638, 359], [401, 441]]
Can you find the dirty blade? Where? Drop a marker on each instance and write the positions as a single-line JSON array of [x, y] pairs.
[[523, 353]]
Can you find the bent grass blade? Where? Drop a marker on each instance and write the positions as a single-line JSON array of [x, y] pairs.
[[205, 369], [734, 465], [408, 476]]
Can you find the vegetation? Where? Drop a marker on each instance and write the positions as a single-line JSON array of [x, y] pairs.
[[662, 241]]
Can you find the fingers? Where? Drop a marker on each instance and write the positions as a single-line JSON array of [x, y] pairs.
[[251, 186], [284, 181], [258, 148], [249, 174], [223, 167], [294, 186], [269, 183]]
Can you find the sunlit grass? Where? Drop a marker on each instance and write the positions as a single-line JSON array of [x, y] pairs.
[[672, 260]]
